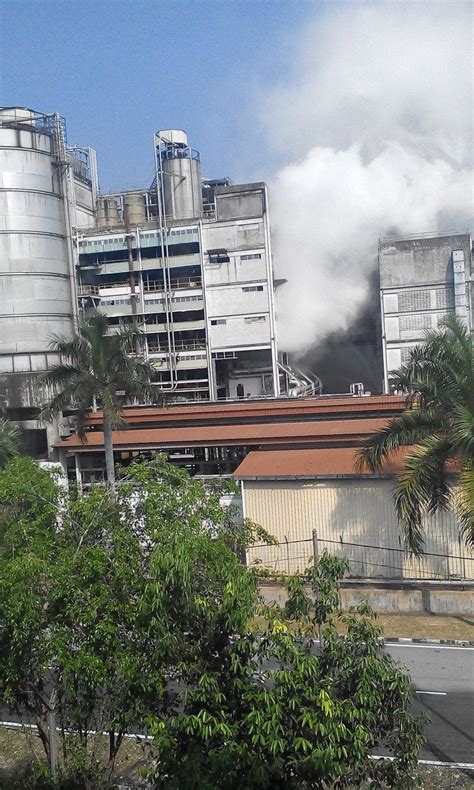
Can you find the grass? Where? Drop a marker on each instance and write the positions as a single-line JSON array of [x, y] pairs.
[[415, 626]]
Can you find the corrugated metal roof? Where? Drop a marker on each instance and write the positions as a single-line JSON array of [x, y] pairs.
[[324, 462], [264, 409], [229, 435]]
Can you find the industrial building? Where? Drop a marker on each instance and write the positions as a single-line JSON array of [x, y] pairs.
[[423, 279], [211, 439], [290, 493], [47, 190], [186, 261]]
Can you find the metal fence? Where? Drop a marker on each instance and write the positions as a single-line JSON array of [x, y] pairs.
[[365, 559]]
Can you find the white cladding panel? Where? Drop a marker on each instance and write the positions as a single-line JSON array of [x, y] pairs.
[[240, 268], [238, 331], [234, 236], [351, 511], [237, 300]]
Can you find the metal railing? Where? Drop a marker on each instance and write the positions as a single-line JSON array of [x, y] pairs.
[[180, 345], [149, 286], [366, 560]]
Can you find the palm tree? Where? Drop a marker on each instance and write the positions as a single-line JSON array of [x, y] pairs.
[[9, 439], [438, 427], [98, 368]]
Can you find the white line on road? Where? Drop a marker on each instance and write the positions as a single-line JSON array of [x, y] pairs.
[[438, 693], [469, 766], [428, 647], [138, 736]]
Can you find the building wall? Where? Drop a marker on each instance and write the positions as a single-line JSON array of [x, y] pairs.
[[347, 511], [422, 280]]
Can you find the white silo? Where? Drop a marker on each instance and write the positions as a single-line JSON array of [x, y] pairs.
[[37, 297], [178, 174]]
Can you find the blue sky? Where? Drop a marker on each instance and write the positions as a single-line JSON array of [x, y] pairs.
[[120, 69]]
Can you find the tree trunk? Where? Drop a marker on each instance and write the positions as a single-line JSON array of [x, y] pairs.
[[109, 453]]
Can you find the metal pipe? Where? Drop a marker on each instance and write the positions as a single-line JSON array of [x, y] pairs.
[[131, 276]]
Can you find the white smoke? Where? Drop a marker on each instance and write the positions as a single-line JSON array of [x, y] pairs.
[[376, 123]]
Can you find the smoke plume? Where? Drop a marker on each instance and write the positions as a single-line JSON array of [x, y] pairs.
[[375, 121]]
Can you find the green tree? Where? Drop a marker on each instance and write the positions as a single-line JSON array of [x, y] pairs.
[[268, 711], [9, 439], [134, 608], [98, 367], [438, 428]]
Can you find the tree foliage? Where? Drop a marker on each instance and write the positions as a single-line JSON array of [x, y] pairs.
[[136, 611], [438, 427], [98, 367], [9, 439]]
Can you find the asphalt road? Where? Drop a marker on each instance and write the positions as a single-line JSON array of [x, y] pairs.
[[443, 680]]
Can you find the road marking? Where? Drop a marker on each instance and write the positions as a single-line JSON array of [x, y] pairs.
[[428, 647], [139, 736], [438, 693], [469, 766]]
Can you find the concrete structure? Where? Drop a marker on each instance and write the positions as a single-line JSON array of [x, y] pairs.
[[44, 189], [423, 279], [189, 263], [292, 492]]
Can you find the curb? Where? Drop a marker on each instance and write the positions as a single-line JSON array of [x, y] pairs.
[[408, 640]]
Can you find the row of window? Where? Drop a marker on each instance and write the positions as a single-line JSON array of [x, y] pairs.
[[248, 288], [121, 239], [250, 319]]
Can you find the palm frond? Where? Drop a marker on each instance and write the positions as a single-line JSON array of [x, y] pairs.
[[466, 502], [422, 487], [408, 428]]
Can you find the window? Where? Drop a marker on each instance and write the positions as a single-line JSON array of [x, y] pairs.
[[218, 256], [248, 288], [252, 318], [217, 321], [254, 257]]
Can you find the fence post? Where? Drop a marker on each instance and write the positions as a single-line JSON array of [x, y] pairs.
[[316, 558], [287, 554], [315, 546], [53, 743]]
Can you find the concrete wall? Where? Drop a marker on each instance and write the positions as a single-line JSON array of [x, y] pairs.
[[400, 598], [349, 511], [419, 288]]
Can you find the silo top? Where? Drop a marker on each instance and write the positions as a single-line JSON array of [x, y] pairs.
[[173, 136]]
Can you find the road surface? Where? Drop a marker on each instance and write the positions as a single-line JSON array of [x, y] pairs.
[[443, 681]]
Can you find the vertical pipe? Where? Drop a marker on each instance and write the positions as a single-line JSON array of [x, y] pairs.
[[131, 276]]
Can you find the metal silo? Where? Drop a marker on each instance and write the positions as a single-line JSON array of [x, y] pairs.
[[37, 297], [178, 174]]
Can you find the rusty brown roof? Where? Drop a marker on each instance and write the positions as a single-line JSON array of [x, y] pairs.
[[308, 463], [286, 433], [265, 409]]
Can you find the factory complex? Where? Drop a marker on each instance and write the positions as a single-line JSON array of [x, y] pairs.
[[187, 261]]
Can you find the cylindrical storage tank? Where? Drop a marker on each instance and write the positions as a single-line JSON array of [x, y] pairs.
[[136, 209], [107, 212], [180, 174], [35, 270]]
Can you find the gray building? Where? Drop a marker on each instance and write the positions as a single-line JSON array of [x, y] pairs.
[[187, 261], [423, 279]]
